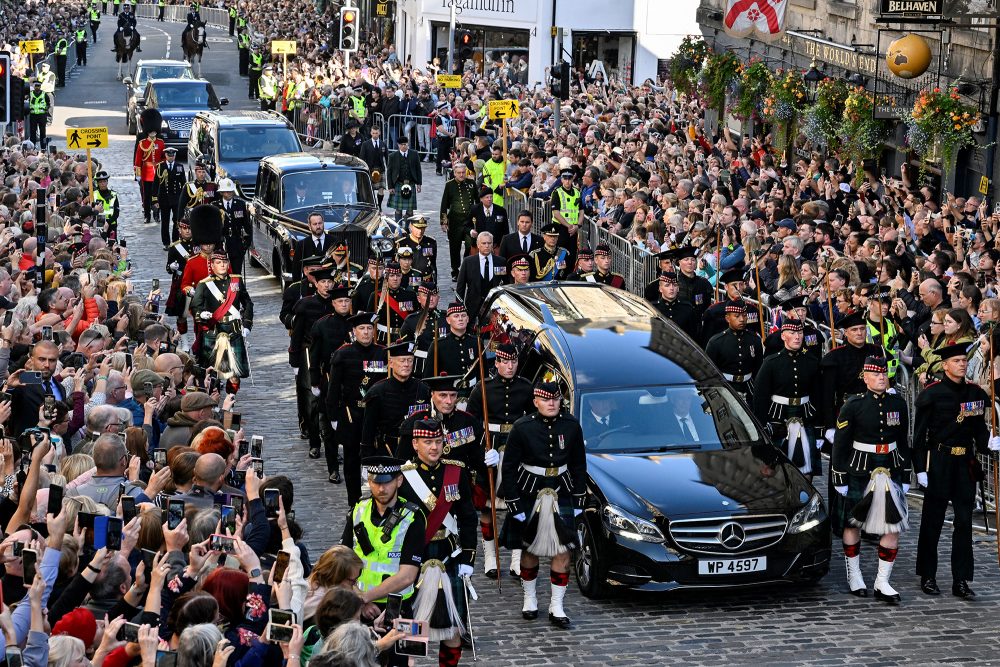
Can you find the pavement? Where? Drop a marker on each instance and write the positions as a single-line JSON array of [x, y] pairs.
[[779, 625]]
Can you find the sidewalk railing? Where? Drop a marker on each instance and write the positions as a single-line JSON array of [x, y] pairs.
[[416, 128]]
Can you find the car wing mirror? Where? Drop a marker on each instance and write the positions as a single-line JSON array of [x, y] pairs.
[[224, 101], [127, 81]]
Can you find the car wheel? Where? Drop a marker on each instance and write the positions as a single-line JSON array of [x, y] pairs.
[[590, 571], [276, 269]]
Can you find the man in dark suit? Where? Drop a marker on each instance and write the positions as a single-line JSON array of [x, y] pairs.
[[170, 180], [317, 244], [375, 154], [521, 242], [685, 421], [488, 217], [403, 179], [27, 398], [480, 273], [237, 232], [597, 417]]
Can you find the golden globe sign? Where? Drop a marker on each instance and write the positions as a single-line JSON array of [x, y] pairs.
[[908, 57]]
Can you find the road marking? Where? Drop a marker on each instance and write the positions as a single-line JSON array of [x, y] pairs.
[[219, 40], [166, 34], [96, 102]]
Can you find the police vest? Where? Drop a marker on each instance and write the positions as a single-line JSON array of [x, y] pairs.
[[232, 12], [256, 61], [118, 2], [94, 16], [241, 22], [161, 3], [244, 40], [61, 47], [38, 103], [493, 173], [359, 106], [889, 342], [569, 205], [81, 36], [108, 202], [267, 87], [382, 562]]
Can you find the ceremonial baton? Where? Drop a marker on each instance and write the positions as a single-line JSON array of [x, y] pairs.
[[993, 460], [470, 592], [829, 310], [489, 446]]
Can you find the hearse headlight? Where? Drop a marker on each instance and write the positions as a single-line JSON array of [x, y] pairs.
[[811, 515], [631, 527]]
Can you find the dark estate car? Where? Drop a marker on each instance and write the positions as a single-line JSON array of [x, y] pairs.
[[178, 100], [146, 71], [718, 507], [336, 185]]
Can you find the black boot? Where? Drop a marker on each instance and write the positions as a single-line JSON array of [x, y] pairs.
[[960, 589], [929, 586]]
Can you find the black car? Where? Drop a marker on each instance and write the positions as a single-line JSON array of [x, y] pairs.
[[711, 503], [146, 71], [178, 100], [336, 185]]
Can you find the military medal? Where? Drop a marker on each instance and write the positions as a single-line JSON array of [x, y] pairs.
[[562, 442], [451, 492]]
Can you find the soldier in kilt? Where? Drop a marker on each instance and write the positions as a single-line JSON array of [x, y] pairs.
[[871, 473], [403, 179]]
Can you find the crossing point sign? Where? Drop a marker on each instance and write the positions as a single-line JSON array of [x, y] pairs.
[[32, 46], [86, 137], [280, 48], [504, 109]]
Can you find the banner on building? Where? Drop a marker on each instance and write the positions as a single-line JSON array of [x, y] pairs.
[[760, 19]]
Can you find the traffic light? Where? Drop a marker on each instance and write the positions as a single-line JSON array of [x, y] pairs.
[[5, 115], [465, 39], [18, 92], [560, 80], [348, 29]]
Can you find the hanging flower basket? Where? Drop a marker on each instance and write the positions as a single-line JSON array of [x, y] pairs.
[[861, 135], [720, 72], [685, 67], [940, 124], [822, 120], [755, 81]]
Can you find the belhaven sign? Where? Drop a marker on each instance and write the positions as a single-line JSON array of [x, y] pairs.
[[911, 7]]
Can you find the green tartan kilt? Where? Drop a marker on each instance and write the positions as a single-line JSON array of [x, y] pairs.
[[242, 365], [841, 507], [398, 202]]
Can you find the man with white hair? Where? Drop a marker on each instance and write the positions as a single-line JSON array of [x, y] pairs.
[[480, 273]]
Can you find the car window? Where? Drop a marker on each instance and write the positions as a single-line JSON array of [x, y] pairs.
[[163, 72], [324, 187], [272, 190], [185, 96], [646, 419], [250, 144]]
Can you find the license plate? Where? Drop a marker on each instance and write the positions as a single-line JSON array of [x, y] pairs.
[[183, 134], [733, 565]]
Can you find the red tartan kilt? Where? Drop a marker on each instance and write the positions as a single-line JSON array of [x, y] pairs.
[[480, 496]]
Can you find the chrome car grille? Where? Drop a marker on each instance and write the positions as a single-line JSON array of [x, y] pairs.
[[728, 535], [179, 123]]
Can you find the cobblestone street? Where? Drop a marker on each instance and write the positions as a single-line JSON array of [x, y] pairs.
[[820, 625]]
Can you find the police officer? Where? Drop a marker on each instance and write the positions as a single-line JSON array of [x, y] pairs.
[[882, 330], [426, 326], [60, 49], [306, 312], [672, 307], [237, 231], [95, 22], [545, 474], [233, 11], [224, 311], [390, 400], [267, 89], [424, 247], [170, 179], [457, 201], [161, 6], [199, 191], [393, 303], [458, 349], [410, 277], [737, 352], [127, 20], [950, 428], [714, 319], [566, 211], [38, 114], [356, 109], [871, 454], [508, 398], [106, 202], [842, 372], [551, 261], [495, 173], [243, 46], [442, 487], [388, 534], [178, 253], [256, 68], [785, 396], [80, 35]]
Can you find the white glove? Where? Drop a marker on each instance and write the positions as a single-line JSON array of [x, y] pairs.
[[205, 315], [174, 266], [492, 457], [994, 443], [922, 479], [314, 390], [828, 435], [842, 490], [465, 570], [333, 425], [906, 489], [519, 517], [577, 512]]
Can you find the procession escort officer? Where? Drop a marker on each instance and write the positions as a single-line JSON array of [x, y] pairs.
[[178, 254], [424, 247], [267, 89], [392, 303], [672, 307], [545, 485], [106, 203], [404, 179], [566, 212], [881, 329], [95, 23], [237, 231], [225, 315], [787, 386], [457, 202], [256, 70], [714, 319], [462, 432], [508, 398], [170, 179], [127, 20], [354, 369], [693, 288], [949, 428], [206, 235], [290, 298], [871, 455], [584, 266], [410, 278], [442, 488], [305, 314], [370, 283], [390, 400], [812, 340], [199, 191], [38, 114], [148, 154], [551, 261], [603, 273], [388, 534], [345, 272], [519, 269], [458, 349], [427, 326], [60, 49], [80, 35], [842, 372], [737, 352], [328, 335]]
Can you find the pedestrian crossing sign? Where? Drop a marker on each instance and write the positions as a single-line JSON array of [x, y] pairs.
[[32, 46], [283, 48], [504, 109], [86, 137]]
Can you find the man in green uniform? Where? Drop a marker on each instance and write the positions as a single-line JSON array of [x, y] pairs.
[[457, 202]]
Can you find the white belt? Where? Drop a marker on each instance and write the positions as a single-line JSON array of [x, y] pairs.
[[784, 400], [500, 428], [382, 328], [545, 472], [883, 448], [737, 378], [420, 354]]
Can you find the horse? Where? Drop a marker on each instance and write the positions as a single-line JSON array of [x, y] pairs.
[[193, 45], [126, 42]]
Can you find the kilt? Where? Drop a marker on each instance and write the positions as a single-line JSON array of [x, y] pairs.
[[238, 346], [401, 203], [513, 534], [842, 506]]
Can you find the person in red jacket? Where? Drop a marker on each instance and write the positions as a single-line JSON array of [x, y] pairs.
[[148, 154]]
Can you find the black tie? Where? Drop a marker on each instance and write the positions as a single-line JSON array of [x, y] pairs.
[[486, 270], [685, 431], [524, 244]]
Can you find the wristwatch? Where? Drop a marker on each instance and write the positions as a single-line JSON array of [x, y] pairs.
[[254, 573]]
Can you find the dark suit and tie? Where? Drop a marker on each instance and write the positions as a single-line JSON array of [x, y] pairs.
[[375, 155], [25, 402], [493, 221], [516, 243], [237, 231], [310, 246], [476, 277]]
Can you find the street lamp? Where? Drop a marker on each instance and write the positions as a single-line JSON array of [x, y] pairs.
[[812, 78]]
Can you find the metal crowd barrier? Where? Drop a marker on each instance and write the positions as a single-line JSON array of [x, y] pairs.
[[416, 128], [514, 201], [211, 15]]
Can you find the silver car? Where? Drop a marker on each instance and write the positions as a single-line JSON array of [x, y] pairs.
[[146, 71]]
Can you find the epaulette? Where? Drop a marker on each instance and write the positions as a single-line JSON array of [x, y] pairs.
[[413, 508], [409, 465], [452, 462], [205, 280]]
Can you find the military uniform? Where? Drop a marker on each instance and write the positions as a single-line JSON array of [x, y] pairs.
[[812, 342], [456, 354], [170, 180], [457, 202], [148, 154], [842, 378], [237, 230], [738, 354], [714, 321], [305, 314], [363, 291], [424, 254], [549, 264], [412, 279], [462, 433], [178, 254], [386, 405], [695, 290], [354, 370], [424, 329], [398, 305], [223, 346], [194, 193], [680, 313]]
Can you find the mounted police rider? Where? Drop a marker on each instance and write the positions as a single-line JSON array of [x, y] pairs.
[[126, 21], [194, 21]]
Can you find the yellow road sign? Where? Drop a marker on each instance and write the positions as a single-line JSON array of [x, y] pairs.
[[32, 46], [280, 48], [86, 137], [449, 80], [984, 185], [504, 109]]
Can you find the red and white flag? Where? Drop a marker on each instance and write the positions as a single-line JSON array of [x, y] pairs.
[[761, 19]]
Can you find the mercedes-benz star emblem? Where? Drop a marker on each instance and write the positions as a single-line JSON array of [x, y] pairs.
[[732, 535]]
